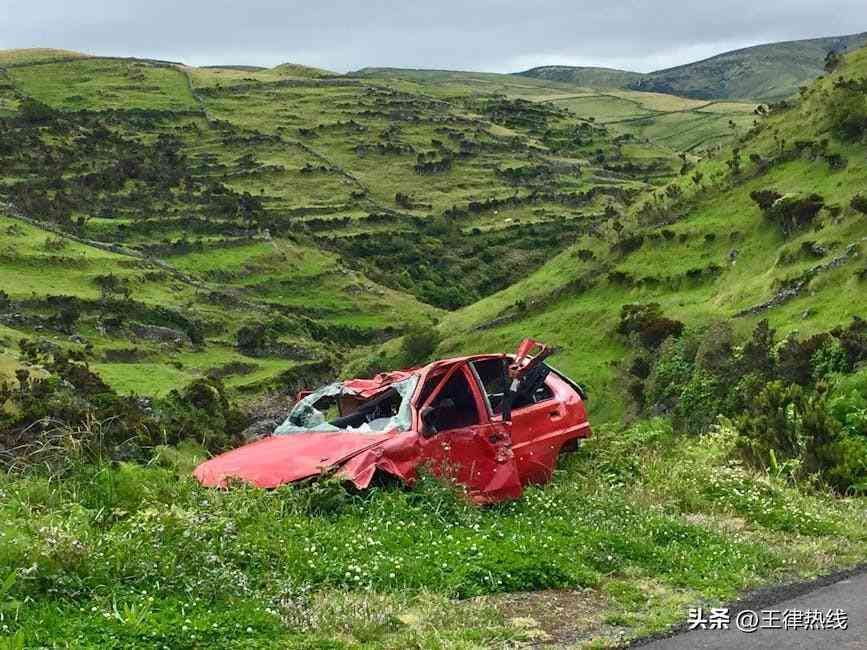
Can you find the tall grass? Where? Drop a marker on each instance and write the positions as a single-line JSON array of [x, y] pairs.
[[107, 552]]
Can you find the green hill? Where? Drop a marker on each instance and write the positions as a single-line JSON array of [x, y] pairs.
[[676, 123], [764, 72], [305, 202], [181, 249], [587, 76], [26, 56], [702, 249]]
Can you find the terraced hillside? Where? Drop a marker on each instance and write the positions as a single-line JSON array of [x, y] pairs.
[[159, 214], [669, 121], [243, 230], [705, 251]]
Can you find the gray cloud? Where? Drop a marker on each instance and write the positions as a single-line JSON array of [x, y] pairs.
[[492, 35]]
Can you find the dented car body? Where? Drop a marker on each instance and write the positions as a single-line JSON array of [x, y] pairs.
[[492, 423]]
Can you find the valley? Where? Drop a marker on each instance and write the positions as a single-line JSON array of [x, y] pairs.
[[182, 249]]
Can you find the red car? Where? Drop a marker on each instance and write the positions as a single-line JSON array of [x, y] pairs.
[[491, 422]]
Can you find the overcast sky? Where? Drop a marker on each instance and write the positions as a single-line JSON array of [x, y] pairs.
[[492, 35]]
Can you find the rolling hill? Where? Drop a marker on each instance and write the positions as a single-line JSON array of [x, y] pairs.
[[586, 76], [702, 249], [765, 72], [181, 249], [152, 195]]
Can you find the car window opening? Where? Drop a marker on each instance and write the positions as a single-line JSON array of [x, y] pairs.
[[493, 376], [454, 406], [336, 408]]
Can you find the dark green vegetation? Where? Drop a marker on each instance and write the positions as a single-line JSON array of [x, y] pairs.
[[763, 72], [178, 241]]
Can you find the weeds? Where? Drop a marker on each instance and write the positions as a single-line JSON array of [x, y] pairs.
[[136, 542]]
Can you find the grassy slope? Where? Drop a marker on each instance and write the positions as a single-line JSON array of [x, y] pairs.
[[634, 528], [101, 84], [678, 123], [274, 275], [299, 275], [583, 322], [637, 525], [764, 72], [587, 76], [36, 55]]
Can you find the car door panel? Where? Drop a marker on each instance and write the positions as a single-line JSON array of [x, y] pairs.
[[478, 456]]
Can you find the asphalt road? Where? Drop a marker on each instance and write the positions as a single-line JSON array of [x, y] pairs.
[[848, 594]]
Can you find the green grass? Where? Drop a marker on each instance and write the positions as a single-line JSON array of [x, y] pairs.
[[36, 55], [716, 218], [113, 552], [100, 84]]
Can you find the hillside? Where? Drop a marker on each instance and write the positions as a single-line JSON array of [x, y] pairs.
[[26, 56], [182, 249], [701, 249], [586, 76], [676, 123], [306, 200], [765, 72]]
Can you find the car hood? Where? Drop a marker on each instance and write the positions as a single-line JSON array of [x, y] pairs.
[[277, 460]]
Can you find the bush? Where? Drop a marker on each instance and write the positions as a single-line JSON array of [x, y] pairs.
[[35, 112], [859, 203], [847, 112], [253, 339], [771, 431], [757, 355], [788, 427], [699, 404], [648, 324], [765, 198], [670, 374], [74, 402], [418, 344], [791, 213]]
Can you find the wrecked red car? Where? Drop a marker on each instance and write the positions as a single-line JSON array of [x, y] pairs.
[[493, 423]]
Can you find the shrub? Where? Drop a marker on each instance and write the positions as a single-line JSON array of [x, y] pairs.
[[791, 213], [830, 358], [859, 203], [757, 355], [74, 400], [669, 376], [648, 323], [699, 404], [765, 198], [770, 431], [35, 112], [253, 339], [854, 340], [795, 358], [787, 425], [418, 344], [847, 112]]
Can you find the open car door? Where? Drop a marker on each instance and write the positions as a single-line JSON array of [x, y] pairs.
[[459, 440]]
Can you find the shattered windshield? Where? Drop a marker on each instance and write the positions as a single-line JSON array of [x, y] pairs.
[[336, 407]]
